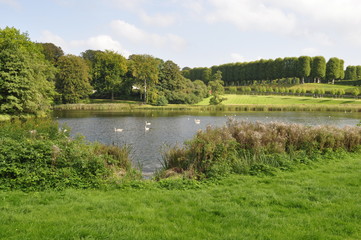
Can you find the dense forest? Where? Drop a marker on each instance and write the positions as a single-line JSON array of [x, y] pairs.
[[33, 76]]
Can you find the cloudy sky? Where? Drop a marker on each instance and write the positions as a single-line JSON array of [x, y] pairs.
[[194, 33]]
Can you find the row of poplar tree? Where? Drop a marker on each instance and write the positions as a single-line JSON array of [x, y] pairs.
[[307, 69]]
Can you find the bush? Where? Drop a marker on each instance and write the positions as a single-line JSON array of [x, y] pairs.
[[161, 101], [254, 148], [37, 155], [232, 90]]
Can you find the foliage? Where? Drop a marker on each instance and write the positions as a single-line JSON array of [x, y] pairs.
[[333, 70], [304, 67], [245, 147], [178, 89], [38, 155], [144, 69], [72, 79], [353, 73], [51, 52], [25, 75], [318, 68], [108, 71], [320, 202], [217, 89]]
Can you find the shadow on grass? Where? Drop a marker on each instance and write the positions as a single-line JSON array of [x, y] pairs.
[[323, 101]]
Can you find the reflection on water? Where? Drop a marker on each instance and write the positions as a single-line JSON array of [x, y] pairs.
[[172, 127]]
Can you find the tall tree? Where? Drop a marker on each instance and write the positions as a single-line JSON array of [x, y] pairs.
[[108, 71], [342, 70], [333, 69], [217, 88], [51, 52], [144, 68], [351, 73], [73, 79], [358, 72], [303, 67], [318, 68], [26, 85]]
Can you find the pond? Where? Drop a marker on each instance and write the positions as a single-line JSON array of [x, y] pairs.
[[168, 128]]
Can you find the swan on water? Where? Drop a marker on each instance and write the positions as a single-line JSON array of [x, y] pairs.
[[118, 130], [197, 121], [147, 123]]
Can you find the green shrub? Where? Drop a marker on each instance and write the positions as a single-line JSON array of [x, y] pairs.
[[254, 148], [37, 155]]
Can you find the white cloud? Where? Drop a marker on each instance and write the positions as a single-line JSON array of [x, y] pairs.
[[50, 37], [236, 57], [252, 15], [354, 37], [101, 42], [128, 4], [159, 20], [310, 52], [11, 3], [325, 21], [128, 30], [137, 35]]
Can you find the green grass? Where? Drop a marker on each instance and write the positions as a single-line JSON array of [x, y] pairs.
[[322, 201], [327, 87], [232, 99]]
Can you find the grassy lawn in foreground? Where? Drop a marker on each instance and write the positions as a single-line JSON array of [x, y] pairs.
[[233, 99], [318, 202]]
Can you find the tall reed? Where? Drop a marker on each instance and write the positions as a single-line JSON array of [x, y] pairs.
[[247, 147]]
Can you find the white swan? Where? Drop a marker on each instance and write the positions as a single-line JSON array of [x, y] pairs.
[[146, 128], [118, 130], [197, 121], [147, 123]]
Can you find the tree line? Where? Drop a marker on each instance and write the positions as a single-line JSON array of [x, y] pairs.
[[353, 72], [307, 69], [33, 76]]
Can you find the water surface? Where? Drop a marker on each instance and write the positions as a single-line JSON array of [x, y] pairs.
[[170, 127]]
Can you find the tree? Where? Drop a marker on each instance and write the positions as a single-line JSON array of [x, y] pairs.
[[109, 70], [333, 69], [51, 52], [318, 68], [217, 88], [303, 67], [144, 68], [26, 85], [342, 70], [73, 79], [351, 73], [358, 72]]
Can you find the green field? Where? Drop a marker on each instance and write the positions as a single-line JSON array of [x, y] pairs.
[[326, 87], [232, 99], [322, 201]]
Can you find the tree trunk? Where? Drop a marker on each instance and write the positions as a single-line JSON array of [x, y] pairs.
[[112, 95], [303, 80]]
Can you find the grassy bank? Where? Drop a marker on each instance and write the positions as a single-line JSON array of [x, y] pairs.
[[234, 103], [37, 154], [232, 99], [317, 202]]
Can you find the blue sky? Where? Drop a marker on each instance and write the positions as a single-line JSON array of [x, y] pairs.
[[194, 33]]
